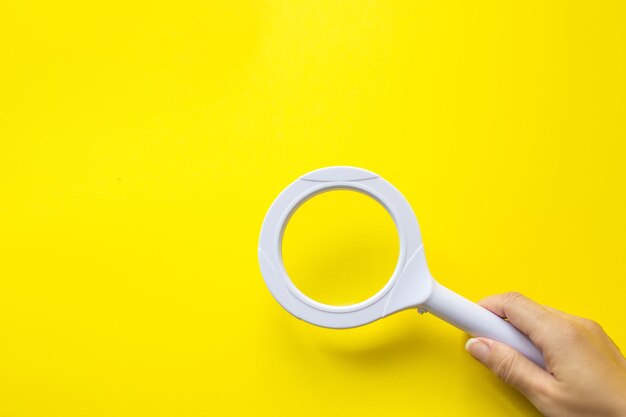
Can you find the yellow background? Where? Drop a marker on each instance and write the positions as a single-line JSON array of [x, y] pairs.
[[142, 143]]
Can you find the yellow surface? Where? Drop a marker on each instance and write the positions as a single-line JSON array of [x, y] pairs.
[[141, 144]]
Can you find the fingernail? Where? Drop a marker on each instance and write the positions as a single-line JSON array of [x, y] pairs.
[[477, 349]]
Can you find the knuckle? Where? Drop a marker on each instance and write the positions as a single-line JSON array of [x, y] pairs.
[[513, 296], [571, 330], [592, 325], [504, 368]]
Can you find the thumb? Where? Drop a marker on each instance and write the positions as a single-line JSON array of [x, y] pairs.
[[510, 366]]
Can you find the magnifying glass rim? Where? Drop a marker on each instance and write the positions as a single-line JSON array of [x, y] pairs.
[[335, 186], [391, 297]]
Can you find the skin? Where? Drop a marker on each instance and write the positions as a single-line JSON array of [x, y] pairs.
[[586, 372]]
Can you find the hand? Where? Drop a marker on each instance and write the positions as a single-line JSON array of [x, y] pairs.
[[586, 372]]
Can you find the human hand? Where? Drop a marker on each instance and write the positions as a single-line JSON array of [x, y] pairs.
[[586, 372]]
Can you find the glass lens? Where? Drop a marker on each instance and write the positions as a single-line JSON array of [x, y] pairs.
[[340, 247]]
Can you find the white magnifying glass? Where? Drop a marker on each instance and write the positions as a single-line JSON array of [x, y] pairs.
[[410, 286]]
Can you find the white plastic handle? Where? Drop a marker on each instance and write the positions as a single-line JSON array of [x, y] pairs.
[[478, 321]]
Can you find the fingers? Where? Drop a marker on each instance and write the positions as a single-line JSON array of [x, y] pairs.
[[525, 314], [512, 367]]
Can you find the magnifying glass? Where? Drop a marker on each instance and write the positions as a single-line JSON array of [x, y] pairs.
[[411, 284]]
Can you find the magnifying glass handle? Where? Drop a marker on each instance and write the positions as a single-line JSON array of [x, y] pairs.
[[478, 321]]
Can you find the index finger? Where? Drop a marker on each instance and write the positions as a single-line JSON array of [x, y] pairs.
[[525, 314]]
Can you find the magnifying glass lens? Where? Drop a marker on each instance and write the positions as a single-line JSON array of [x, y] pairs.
[[340, 247]]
